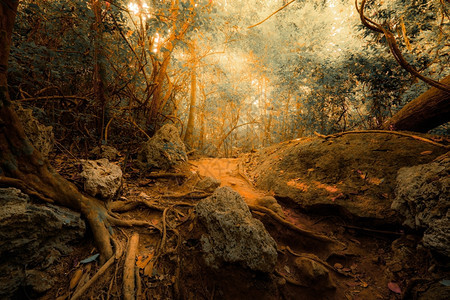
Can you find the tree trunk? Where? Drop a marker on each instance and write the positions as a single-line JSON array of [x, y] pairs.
[[22, 166], [193, 99], [424, 113], [98, 80]]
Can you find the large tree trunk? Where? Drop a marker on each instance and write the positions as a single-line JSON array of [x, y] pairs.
[[424, 113], [22, 166]]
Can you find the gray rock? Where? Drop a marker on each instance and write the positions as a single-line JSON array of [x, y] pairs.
[[423, 198], [208, 184], [233, 235], [41, 136], [165, 150], [313, 274], [29, 234], [101, 177], [104, 151]]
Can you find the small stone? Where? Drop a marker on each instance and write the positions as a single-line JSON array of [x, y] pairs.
[[208, 184], [108, 152], [338, 266], [313, 274], [165, 150], [101, 178]]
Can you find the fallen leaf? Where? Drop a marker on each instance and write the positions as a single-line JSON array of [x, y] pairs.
[[75, 278], [445, 282], [148, 271], [394, 287], [143, 261], [338, 266], [90, 259], [191, 226], [287, 269], [426, 152]]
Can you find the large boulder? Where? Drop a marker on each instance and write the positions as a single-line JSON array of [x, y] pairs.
[[233, 235], [352, 174], [423, 198], [164, 151], [101, 178], [32, 237], [41, 136]]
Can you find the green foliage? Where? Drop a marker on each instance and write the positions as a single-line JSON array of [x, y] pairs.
[[310, 67]]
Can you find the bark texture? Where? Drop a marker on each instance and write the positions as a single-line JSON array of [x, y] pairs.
[[426, 112]]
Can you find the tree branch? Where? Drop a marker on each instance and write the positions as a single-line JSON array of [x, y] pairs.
[[392, 43], [275, 12]]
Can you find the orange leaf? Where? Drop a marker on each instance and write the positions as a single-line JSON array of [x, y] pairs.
[[143, 261], [76, 278], [394, 287], [149, 269]]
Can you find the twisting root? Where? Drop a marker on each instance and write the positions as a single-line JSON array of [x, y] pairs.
[[21, 185], [292, 226], [425, 140], [164, 234], [99, 273], [131, 223], [129, 268], [290, 280], [318, 260]]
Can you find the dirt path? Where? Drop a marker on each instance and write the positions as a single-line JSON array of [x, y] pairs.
[[227, 171]]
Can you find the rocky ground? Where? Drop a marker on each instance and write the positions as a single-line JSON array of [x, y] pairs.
[[353, 216]]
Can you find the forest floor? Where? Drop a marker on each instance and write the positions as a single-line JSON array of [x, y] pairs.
[[380, 262]]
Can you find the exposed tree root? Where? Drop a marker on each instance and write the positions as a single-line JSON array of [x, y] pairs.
[[131, 223], [19, 184], [425, 140], [384, 232], [189, 195], [164, 234], [290, 280], [123, 206], [318, 260], [165, 175], [241, 172], [304, 232], [129, 268], [99, 273]]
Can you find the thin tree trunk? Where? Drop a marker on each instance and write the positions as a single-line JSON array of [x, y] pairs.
[[193, 98], [98, 80]]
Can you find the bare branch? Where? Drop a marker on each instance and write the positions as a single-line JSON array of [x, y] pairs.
[[392, 43]]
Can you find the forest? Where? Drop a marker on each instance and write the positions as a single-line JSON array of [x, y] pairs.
[[218, 149]]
